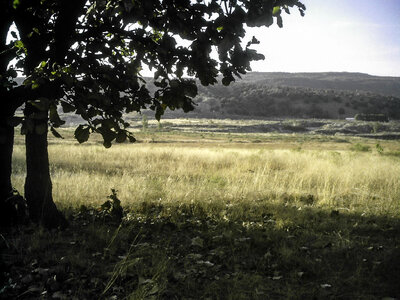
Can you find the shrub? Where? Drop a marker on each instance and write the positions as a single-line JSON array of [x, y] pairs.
[[360, 148], [379, 148], [145, 122], [372, 117]]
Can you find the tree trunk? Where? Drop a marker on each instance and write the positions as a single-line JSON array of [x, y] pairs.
[[6, 149], [38, 187]]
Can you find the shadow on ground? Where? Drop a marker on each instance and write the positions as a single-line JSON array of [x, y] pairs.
[[192, 251]]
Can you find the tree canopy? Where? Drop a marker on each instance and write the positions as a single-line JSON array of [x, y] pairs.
[[86, 56], [91, 53]]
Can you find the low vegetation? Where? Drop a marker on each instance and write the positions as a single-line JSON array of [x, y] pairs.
[[200, 214]]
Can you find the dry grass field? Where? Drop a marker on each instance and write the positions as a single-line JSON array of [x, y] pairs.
[[221, 168], [214, 215]]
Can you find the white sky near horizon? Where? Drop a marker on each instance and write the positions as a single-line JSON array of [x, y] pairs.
[[334, 35]]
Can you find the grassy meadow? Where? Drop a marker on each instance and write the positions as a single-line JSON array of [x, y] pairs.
[[217, 215], [218, 169]]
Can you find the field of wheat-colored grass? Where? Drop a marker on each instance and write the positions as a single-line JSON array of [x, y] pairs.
[[218, 175], [215, 215]]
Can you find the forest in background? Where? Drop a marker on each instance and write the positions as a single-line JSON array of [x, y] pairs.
[[292, 95], [299, 95]]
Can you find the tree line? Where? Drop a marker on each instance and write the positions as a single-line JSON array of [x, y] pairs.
[[260, 99]]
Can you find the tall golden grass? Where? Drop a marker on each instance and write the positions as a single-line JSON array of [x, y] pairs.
[[178, 173]]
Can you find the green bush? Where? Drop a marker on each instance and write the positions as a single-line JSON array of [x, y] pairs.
[[379, 148], [360, 148], [372, 117]]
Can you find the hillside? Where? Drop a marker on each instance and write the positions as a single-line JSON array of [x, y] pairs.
[[389, 86], [297, 95], [301, 95]]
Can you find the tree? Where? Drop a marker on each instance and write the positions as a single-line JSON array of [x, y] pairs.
[[86, 56], [9, 102]]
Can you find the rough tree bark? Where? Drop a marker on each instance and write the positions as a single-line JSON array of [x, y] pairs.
[[38, 186]]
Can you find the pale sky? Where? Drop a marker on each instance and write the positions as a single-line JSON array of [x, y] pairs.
[[335, 35]]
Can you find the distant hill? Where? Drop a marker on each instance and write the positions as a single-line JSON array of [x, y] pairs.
[[298, 95], [344, 81], [301, 95]]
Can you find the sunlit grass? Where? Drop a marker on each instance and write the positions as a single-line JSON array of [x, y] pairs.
[[216, 174], [219, 216]]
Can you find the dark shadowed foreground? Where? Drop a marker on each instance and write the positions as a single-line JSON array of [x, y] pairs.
[[262, 251]]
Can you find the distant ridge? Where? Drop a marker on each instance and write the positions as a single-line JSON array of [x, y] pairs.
[[329, 95], [346, 81]]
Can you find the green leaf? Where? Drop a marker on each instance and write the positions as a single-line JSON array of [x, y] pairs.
[[107, 144], [19, 44], [55, 133], [254, 40], [226, 81], [190, 88], [55, 117], [82, 133], [106, 205], [67, 107], [276, 11], [107, 134], [121, 137], [131, 139], [159, 112], [279, 21], [15, 4]]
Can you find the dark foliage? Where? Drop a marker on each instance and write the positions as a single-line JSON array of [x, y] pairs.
[[86, 57]]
